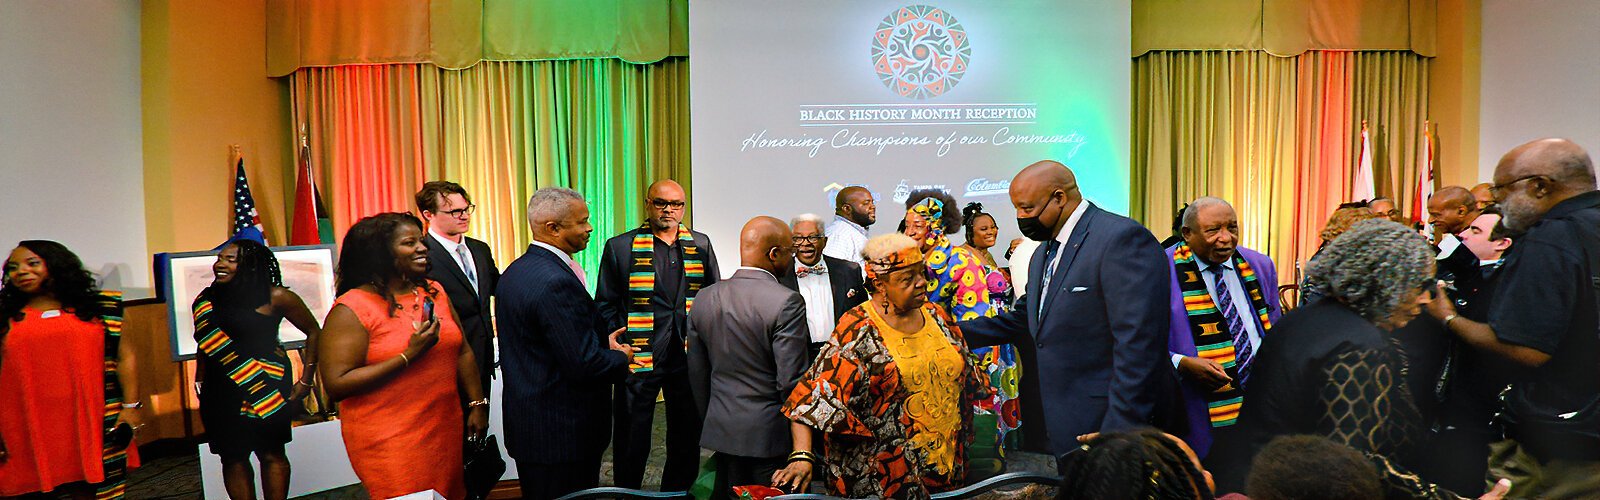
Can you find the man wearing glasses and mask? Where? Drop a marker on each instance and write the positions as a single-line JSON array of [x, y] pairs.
[[466, 269], [648, 279]]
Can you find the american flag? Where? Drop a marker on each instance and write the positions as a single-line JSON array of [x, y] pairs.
[[246, 222]]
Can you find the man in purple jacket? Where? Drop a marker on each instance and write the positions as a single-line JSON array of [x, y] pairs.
[[1224, 300]]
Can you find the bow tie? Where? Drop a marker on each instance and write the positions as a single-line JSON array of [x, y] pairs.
[[803, 271]]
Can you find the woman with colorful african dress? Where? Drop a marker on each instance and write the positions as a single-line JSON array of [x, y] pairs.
[[68, 407], [245, 389], [892, 392], [392, 355], [962, 286]]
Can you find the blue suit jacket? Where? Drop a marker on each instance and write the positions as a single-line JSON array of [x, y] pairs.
[[1181, 341], [558, 371], [1102, 340]]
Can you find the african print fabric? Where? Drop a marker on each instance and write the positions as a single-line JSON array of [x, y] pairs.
[[260, 378], [1212, 339], [861, 398]]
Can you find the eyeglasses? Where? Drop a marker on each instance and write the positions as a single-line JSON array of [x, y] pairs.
[[1498, 189], [461, 213], [808, 239], [664, 204]]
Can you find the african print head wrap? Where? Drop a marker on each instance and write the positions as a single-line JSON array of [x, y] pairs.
[[906, 257]]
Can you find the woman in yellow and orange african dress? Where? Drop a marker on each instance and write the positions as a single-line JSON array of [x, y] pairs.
[[892, 392]]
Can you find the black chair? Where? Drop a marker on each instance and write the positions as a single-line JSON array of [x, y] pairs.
[[614, 492], [971, 491]]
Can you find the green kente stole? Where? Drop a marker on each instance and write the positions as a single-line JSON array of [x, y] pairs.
[[642, 285], [258, 377], [1212, 340]]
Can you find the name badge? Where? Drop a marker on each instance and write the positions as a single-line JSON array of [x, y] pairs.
[[50, 314]]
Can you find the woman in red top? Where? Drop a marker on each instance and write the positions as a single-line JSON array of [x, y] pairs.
[[391, 353], [64, 391]]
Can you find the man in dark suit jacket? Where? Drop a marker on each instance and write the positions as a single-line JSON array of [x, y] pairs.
[[747, 349], [1095, 310], [648, 278], [467, 274], [558, 371], [833, 286]]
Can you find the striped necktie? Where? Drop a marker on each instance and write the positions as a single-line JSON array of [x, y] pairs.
[[1241, 338], [466, 265]]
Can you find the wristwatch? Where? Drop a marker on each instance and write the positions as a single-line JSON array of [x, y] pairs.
[[133, 405]]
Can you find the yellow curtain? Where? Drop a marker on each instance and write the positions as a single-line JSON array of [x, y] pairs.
[[1285, 27], [502, 130], [459, 33], [1277, 137]]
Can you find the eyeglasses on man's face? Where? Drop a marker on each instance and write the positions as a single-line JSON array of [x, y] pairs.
[[1499, 191], [808, 239], [461, 213], [666, 204]]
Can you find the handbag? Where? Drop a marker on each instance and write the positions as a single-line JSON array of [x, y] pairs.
[[483, 465]]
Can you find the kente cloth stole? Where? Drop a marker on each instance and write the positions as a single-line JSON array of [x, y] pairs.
[[1212, 340], [114, 461], [258, 377], [642, 285]]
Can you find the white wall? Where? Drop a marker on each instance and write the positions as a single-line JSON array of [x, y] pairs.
[[71, 157], [1541, 75]]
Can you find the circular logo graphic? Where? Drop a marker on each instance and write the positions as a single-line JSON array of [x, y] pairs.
[[920, 51]]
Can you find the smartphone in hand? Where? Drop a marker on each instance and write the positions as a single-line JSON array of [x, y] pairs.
[[427, 309]]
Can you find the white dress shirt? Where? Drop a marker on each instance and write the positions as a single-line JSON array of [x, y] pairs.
[[1239, 297], [846, 239], [462, 259], [818, 292], [1061, 240]]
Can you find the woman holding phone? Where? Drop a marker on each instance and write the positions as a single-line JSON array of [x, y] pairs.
[[392, 355]]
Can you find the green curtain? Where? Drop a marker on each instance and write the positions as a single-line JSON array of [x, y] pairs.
[[603, 127]]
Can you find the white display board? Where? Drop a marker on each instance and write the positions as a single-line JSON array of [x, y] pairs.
[[307, 271], [791, 101]]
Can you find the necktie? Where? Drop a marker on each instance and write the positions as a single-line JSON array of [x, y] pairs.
[[1049, 270], [466, 266], [578, 270], [1241, 339], [803, 271]]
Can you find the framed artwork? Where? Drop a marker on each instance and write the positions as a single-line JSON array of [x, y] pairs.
[[307, 270]]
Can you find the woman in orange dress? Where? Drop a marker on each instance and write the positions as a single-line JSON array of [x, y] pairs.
[[63, 390], [391, 354]]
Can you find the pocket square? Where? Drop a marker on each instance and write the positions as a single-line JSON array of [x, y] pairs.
[[1079, 288]]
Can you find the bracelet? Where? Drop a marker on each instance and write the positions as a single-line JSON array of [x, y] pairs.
[[403, 357], [132, 406], [481, 402], [1448, 319], [302, 382], [802, 456]]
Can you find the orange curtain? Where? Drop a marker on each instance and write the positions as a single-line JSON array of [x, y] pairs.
[[1276, 136], [604, 127]]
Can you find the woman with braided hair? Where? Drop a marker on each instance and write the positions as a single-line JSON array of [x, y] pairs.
[[68, 409], [246, 396], [1143, 464]]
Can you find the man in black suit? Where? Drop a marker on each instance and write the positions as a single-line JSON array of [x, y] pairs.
[[1095, 309], [649, 277], [830, 286], [468, 273], [747, 349], [558, 371]]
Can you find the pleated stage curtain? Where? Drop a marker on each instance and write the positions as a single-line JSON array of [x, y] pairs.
[[1276, 136], [604, 127]]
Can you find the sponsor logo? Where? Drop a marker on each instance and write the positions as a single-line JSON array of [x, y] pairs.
[[982, 186]]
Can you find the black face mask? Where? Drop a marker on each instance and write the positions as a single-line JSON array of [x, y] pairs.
[[1032, 228]]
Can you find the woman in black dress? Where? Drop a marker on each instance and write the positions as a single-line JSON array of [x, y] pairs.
[[245, 376], [1332, 368]]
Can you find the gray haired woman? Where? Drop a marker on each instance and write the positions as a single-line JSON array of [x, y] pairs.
[[1331, 368]]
